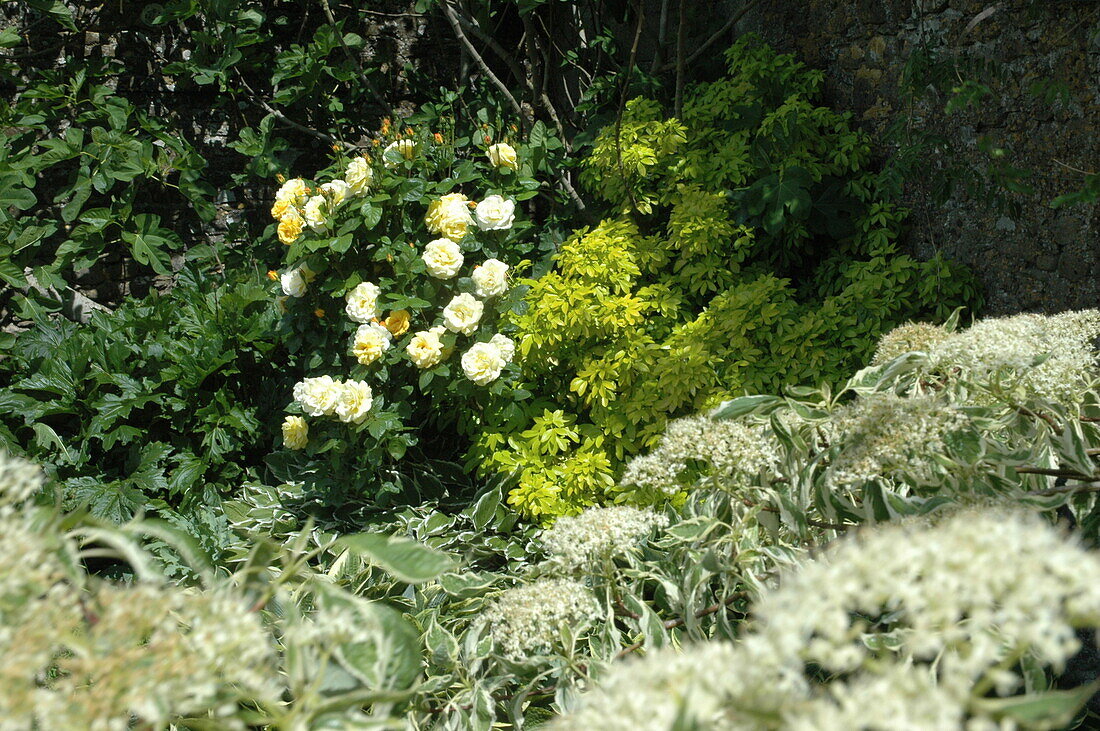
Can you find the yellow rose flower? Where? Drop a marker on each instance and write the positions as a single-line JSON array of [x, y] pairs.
[[398, 322], [290, 227], [503, 155], [449, 216], [279, 209], [295, 432]]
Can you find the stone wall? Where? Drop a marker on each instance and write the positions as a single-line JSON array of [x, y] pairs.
[[1033, 258]]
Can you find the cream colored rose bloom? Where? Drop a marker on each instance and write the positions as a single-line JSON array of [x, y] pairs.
[[505, 345], [443, 258], [318, 396], [295, 432], [449, 216], [294, 192], [503, 155], [370, 342], [483, 363], [294, 283], [335, 192], [425, 349], [315, 213], [490, 278], [397, 152], [463, 314], [359, 176], [362, 302], [354, 402], [495, 213]]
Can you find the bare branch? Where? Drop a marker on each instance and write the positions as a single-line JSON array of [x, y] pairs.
[[449, 12], [351, 56]]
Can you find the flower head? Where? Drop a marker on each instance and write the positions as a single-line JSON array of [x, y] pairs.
[[482, 363], [502, 155], [290, 226], [449, 216], [398, 152], [359, 175], [463, 314], [295, 432], [354, 402], [490, 278], [362, 302], [443, 258], [398, 322], [318, 396], [425, 348], [505, 345], [599, 533], [370, 342], [528, 619], [495, 213]]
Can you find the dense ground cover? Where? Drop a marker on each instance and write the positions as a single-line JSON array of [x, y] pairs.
[[436, 447]]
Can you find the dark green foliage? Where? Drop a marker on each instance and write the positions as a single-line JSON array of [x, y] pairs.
[[165, 404]]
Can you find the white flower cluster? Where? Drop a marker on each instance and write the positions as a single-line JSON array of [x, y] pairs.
[[734, 451], [350, 401], [908, 338], [599, 533], [19, 479], [885, 436], [966, 593], [527, 620], [961, 600], [1009, 348], [157, 654]]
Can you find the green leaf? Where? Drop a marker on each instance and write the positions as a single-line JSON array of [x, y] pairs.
[[742, 405], [406, 559], [1052, 709], [148, 242]]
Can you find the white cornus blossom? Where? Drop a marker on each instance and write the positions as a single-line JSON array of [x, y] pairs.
[[959, 602], [315, 213], [162, 653], [1012, 349], [336, 192], [505, 345], [463, 313], [354, 401], [359, 175], [528, 619], [908, 338], [736, 451], [490, 278], [482, 363], [442, 258], [965, 594], [362, 302], [19, 479], [318, 396], [885, 436], [495, 213], [598, 534], [370, 342]]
